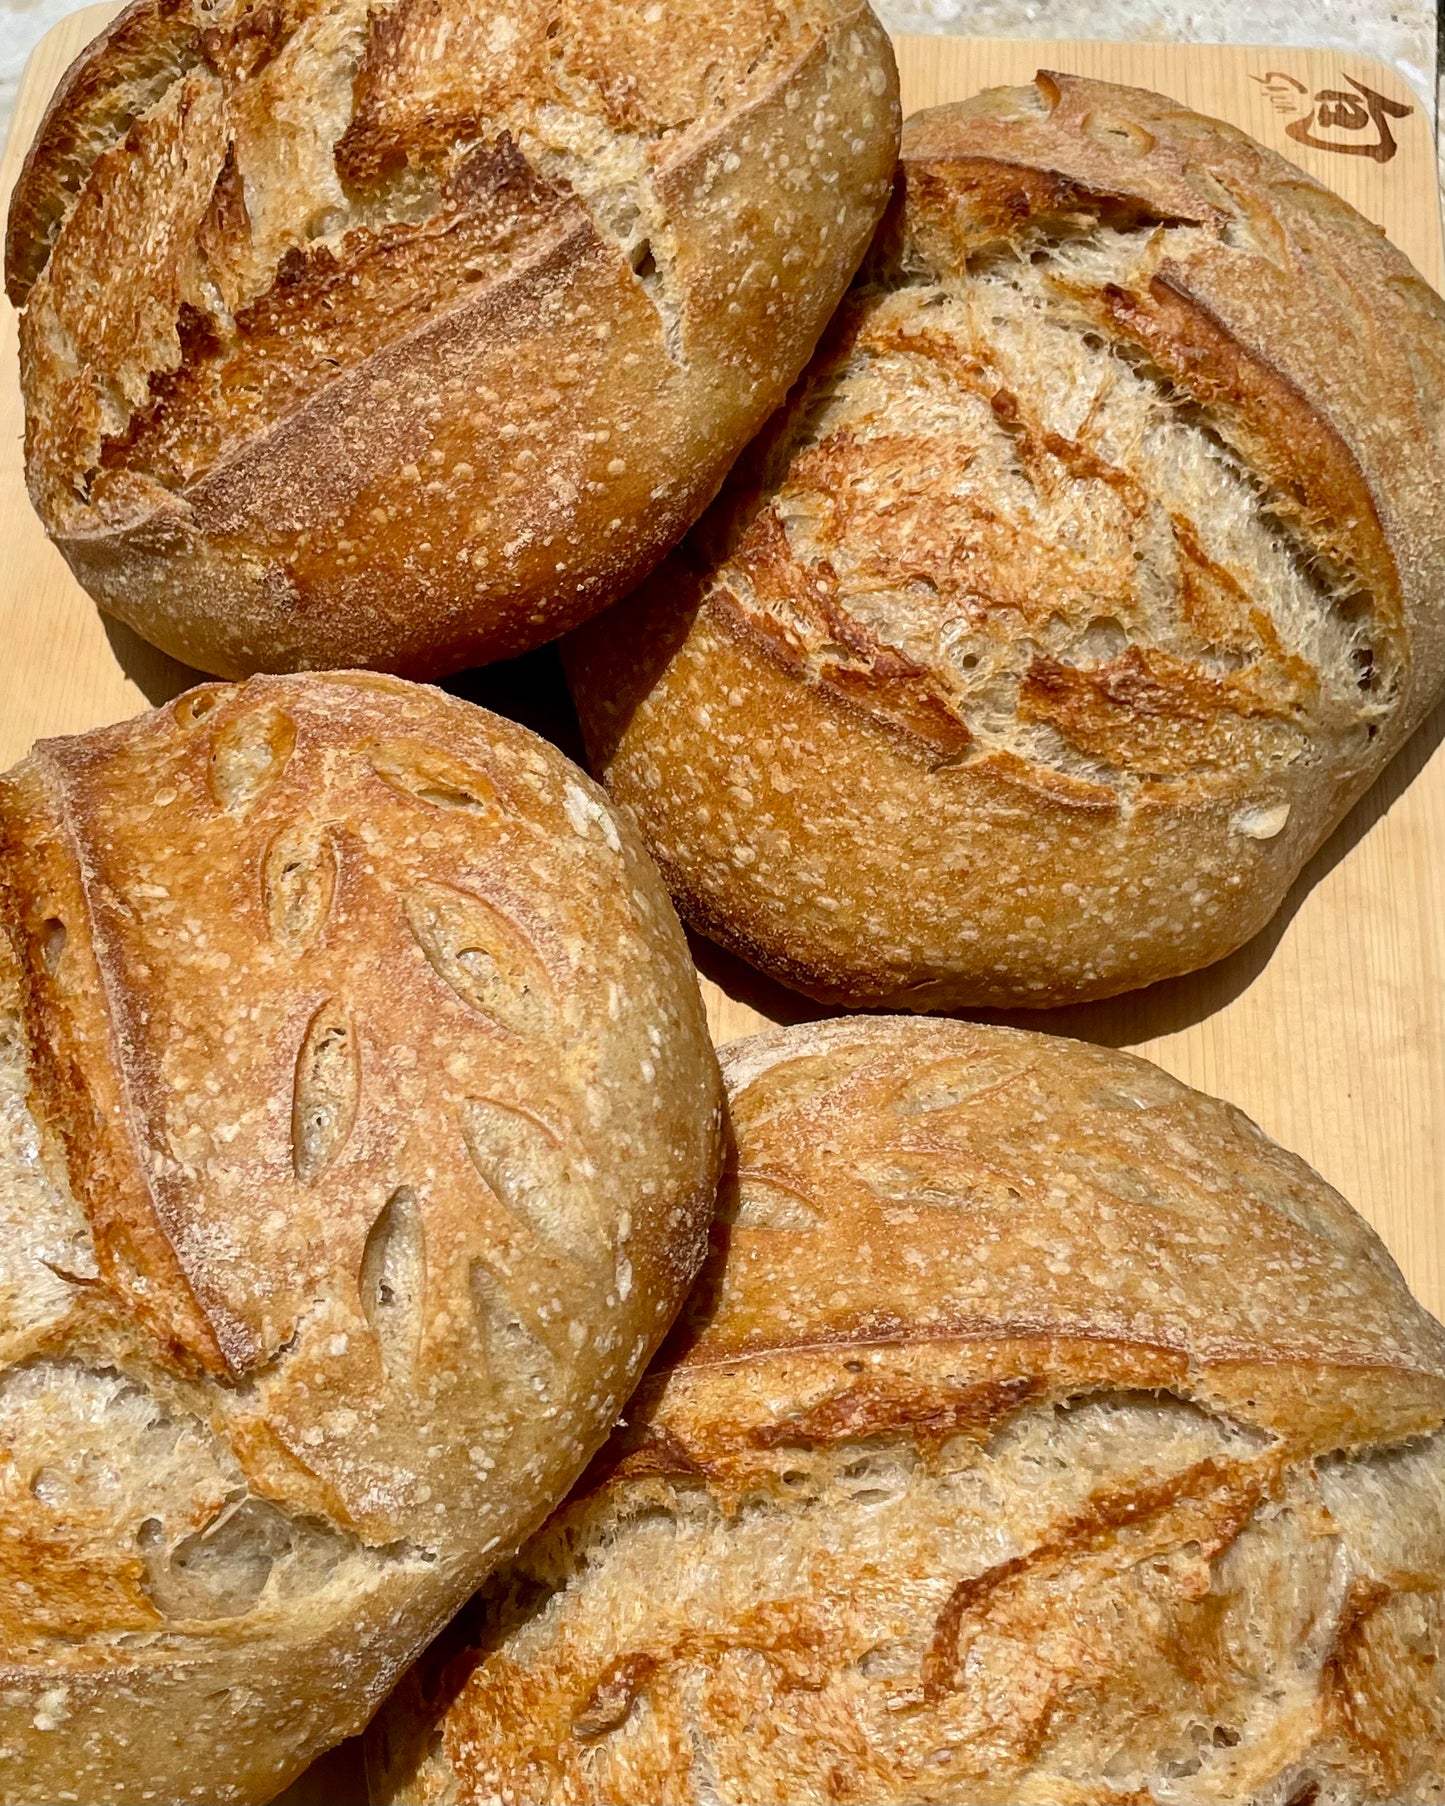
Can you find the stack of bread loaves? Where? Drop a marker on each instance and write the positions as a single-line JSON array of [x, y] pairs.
[[1023, 1426]]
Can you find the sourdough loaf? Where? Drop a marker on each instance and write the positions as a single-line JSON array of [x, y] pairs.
[[1041, 1432], [1093, 570], [408, 333], [358, 1137]]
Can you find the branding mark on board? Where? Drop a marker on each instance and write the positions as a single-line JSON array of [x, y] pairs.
[[1351, 122]]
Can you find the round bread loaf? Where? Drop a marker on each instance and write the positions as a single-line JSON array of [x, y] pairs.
[[1039, 1431], [1094, 569], [359, 1131], [408, 334]]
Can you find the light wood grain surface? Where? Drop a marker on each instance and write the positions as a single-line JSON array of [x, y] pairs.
[[1329, 1029]]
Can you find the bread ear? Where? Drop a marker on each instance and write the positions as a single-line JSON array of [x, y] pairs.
[[119, 76]]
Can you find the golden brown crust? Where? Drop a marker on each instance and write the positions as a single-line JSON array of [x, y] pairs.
[[320, 315], [1082, 585], [926, 1140], [79, 1084], [385, 1181], [1116, 1539], [118, 75], [413, 361], [1291, 442]]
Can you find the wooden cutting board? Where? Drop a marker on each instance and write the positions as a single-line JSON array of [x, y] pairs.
[[1329, 1028]]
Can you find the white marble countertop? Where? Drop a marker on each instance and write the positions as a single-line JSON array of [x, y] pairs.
[[1402, 32]]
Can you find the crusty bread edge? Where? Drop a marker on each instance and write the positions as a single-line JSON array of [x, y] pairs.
[[199, 543]]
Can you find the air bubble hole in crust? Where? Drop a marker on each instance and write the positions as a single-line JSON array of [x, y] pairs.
[[1103, 639], [194, 707], [520, 1358], [45, 1485], [222, 1570], [53, 936]]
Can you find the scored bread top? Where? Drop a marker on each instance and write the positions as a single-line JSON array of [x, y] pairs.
[[429, 80], [1197, 399], [359, 1131], [319, 970], [994, 1185], [1039, 1431], [318, 277], [1101, 547]]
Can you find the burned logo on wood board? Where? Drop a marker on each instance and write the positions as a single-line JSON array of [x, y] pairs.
[[1351, 121]]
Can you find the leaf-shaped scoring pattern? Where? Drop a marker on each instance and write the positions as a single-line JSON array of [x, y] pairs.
[[945, 1084], [800, 1083], [522, 1352], [525, 1162], [248, 756], [764, 1201], [393, 1282], [328, 1087], [300, 883], [529, 1266], [483, 956], [431, 776]]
